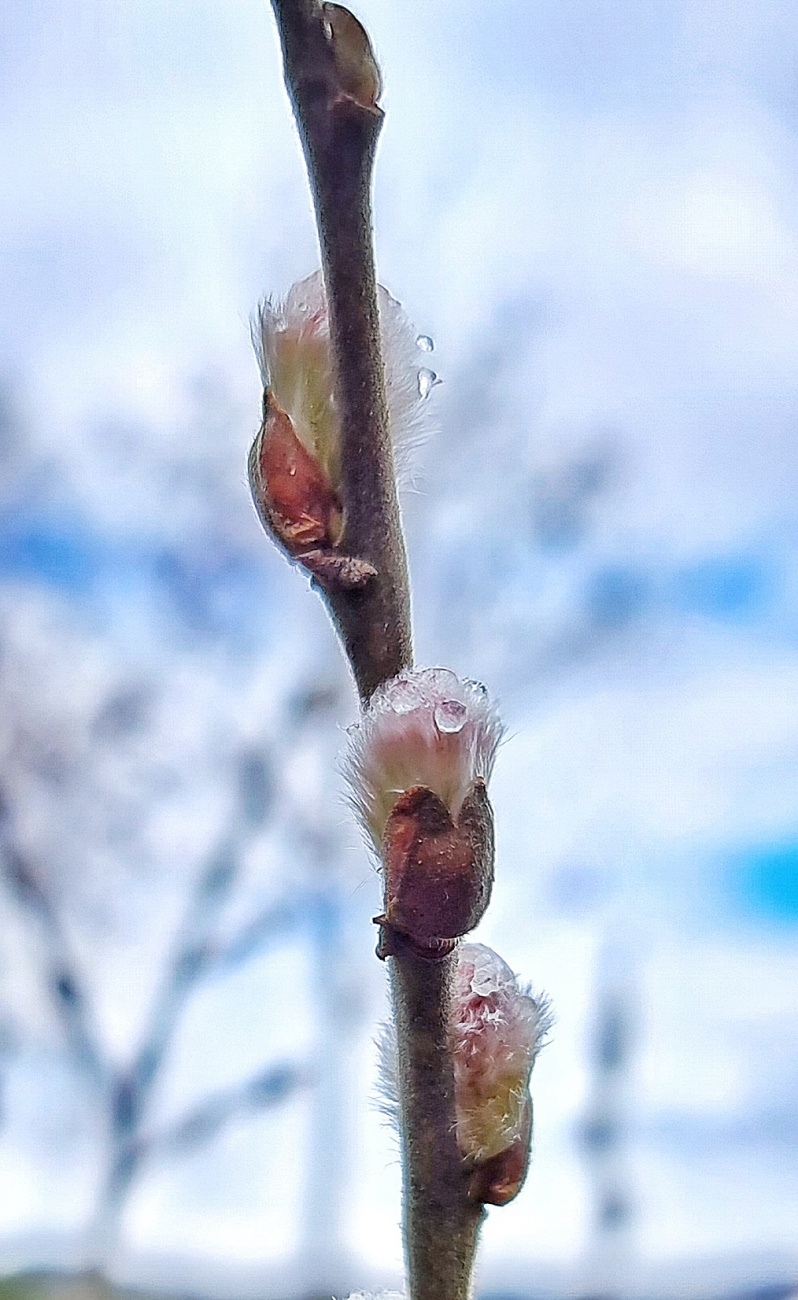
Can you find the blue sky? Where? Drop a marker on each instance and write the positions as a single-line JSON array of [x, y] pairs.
[[592, 209]]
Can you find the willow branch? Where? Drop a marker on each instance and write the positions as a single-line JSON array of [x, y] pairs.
[[333, 83]]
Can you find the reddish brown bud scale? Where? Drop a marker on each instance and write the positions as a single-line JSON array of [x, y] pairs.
[[294, 495], [498, 1180], [297, 504], [438, 871]]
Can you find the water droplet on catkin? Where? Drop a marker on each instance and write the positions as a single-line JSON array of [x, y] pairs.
[[425, 343], [427, 379], [450, 716]]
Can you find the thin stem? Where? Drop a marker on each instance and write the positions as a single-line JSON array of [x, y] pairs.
[[339, 133], [333, 87]]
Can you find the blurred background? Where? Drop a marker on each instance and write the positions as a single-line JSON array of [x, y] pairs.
[[591, 207]]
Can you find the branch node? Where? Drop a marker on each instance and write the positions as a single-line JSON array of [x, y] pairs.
[[333, 571], [393, 942]]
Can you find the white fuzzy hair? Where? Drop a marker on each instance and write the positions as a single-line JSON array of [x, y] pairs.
[[407, 379]]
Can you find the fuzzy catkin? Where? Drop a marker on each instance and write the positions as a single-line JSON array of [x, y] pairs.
[[291, 338], [497, 1031], [426, 727], [498, 1028]]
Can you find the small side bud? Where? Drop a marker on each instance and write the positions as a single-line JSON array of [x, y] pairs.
[[355, 63], [497, 1031]]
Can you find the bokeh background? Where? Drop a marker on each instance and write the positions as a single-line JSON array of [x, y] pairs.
[[591, 206]]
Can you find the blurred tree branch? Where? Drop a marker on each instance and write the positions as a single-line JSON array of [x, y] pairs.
[[123, 1094], [64, 983]]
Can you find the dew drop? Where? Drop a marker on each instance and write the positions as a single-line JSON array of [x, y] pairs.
[[490, 974], [483, 983], [427, 379], [425, 343], [450, 716], [440, 681]]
